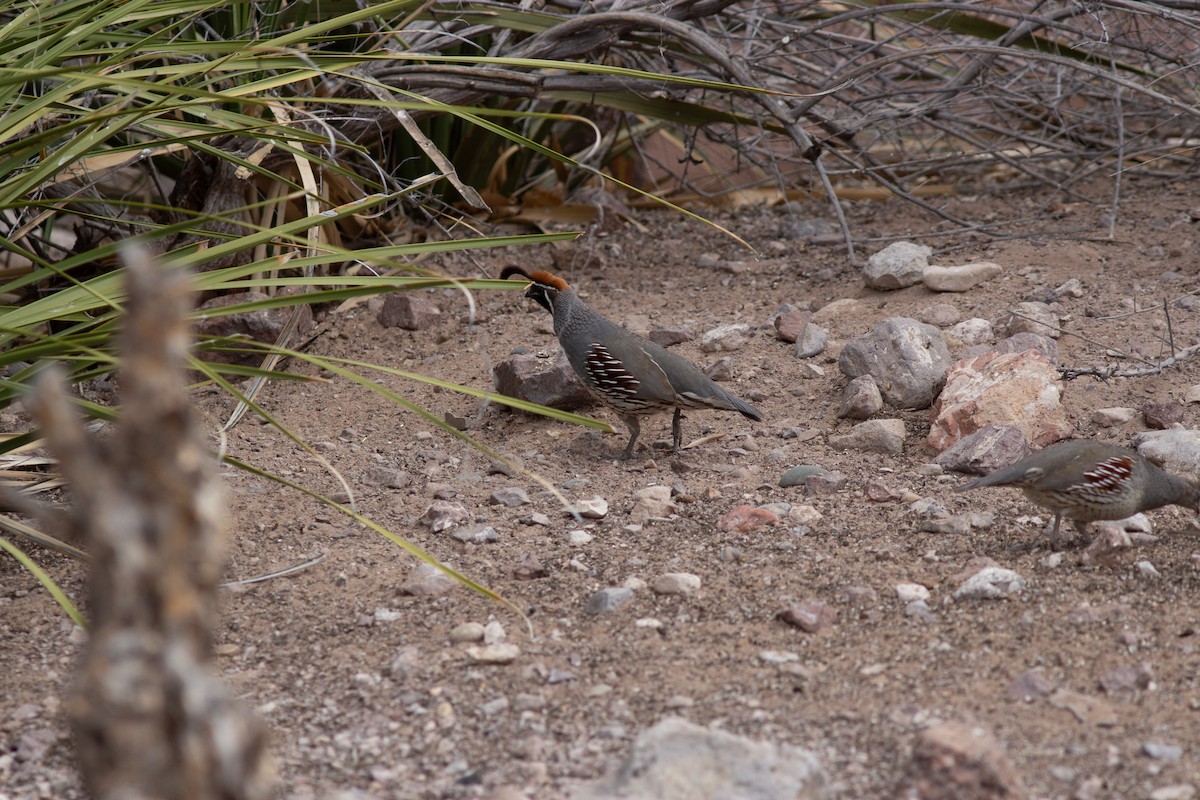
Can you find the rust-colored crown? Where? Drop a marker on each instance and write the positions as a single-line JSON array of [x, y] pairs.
[[549, 279], [541, 276]]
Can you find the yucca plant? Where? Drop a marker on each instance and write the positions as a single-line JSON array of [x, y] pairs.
[[228, 139]]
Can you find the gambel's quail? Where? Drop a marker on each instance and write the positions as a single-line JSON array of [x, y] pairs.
[[631, 375], [1087, 481]]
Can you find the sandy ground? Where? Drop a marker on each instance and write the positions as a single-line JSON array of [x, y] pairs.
[[367, 695]]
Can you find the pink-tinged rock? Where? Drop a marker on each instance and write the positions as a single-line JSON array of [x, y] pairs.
[[744, 519], [1020, 390], [791, 324], [1161, 416], [877, 491], [1128, 678], [668, 337], [1030, 685], [413, 312], [1087, 709], [811, 616], [956, 761], [1109, 546]]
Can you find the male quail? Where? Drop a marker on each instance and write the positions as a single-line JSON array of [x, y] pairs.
[[627, 373], [1087, 481]]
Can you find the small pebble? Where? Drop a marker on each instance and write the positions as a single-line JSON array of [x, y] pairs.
[[466, 632], [607, 600], [908, 592], [676, 583], [1162, 752], [578, 538]]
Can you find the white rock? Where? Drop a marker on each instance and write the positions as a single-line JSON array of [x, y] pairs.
[[682, 583], [990, 583], [653, 502], [873, 436], [1117, 415], [594, 508], [493, 633], [896, 266], [1147, 570], [961, 278], [804, 515], [909, 592], [777, 657], [726, 338], [466, 632], [504, 653], [840, 311], [972, 331], [1176, 450], [1178, 791], [578, 538]]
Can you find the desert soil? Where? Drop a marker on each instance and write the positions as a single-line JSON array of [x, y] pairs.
[[367, 696]]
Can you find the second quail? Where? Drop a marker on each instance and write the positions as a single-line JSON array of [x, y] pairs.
[[632, 376], [1086, 480]]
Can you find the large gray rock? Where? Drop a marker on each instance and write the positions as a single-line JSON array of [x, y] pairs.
[[873, 436], [907, 359], [986, 450], [541, 380], [896, 266], [678, 760], [413, 312], [1176, 450], [264, 325]]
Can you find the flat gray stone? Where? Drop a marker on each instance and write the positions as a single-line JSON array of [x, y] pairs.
[[796, 476], [608, 600], [679, 760]]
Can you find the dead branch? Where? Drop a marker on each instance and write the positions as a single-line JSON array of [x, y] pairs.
[[1104, 373], [150, 719]]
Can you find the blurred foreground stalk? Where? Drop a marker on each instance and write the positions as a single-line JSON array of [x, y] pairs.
[[150, 720]]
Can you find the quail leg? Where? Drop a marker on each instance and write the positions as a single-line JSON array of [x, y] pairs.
[[677, 431], [634, 429], [1055, 541]]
